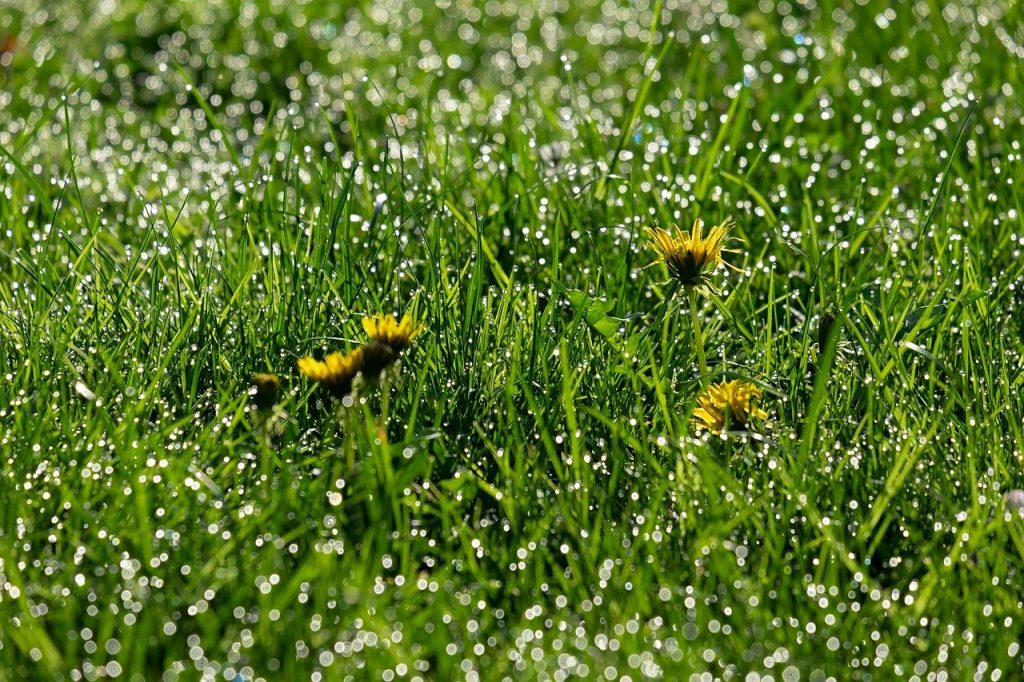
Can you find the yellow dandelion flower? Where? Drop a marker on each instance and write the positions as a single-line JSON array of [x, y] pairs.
[[691, 258], [729, 402], [265, 391], [336, 372], [398, 336]]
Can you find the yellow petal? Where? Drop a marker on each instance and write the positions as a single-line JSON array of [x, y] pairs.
[[698, 227], [370, 326], [307, 366]]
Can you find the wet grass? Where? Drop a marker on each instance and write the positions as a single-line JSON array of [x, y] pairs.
[[191, 193]]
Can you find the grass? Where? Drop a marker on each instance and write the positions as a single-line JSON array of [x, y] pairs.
[[194, 192]]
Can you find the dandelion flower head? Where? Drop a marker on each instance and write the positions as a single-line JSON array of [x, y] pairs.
[[729, 402], [691, 257], [265, 391], [386, 330], [335, 372]]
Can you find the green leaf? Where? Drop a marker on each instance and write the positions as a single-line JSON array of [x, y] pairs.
[[595, 312]]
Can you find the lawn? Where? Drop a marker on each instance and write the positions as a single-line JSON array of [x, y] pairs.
[[547, 473]]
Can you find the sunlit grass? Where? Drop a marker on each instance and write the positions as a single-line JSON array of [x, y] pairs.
[[201, 204]]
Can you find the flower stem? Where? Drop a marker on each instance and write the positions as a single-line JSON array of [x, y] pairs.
[[698, 339]]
